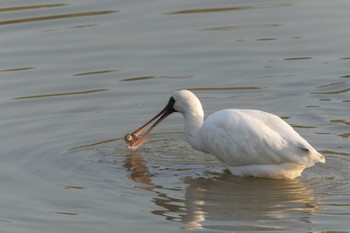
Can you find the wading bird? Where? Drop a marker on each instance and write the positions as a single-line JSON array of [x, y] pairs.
[[249, 142]]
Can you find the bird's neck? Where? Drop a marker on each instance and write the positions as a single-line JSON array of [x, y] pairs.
[[193, 123]]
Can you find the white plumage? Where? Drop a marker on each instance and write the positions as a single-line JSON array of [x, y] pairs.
[[248, 142]]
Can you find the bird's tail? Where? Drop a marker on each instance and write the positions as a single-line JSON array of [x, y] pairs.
[[319, 158], [314, 157]]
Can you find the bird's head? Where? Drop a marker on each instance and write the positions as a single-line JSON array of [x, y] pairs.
[[182, 101]]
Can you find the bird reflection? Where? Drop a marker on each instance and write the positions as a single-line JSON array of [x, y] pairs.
[[246, 202], [225, 202], [139, 171]]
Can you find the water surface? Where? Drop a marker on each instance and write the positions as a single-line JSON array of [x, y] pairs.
[[76, 76]]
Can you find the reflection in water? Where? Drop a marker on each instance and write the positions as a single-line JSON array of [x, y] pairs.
[[138, 169], [248, 204], [224, 202]]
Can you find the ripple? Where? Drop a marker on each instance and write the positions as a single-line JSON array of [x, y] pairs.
[[214, 199], [96, 72], [224, 88], [72, 27], [194, 189], [221, 201], [331, 84], [5, 221], [297, 58], [63, 213], [330, 179], [55, 17], [138, 78], [242, 27], [334, 88], [223, 9], [332, 92], [211, 10], [342, 121], [73, 187], [17, 69], [60, 94], [30, 7], [344, 135], [99, 143], [176, 76], [266, 39], [303, 126], [334, 152]]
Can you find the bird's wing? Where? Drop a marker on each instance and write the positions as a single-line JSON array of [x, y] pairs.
[[296, 148], [247, 137]]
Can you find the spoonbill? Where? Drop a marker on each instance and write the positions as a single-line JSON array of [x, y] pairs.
[[249, 142]]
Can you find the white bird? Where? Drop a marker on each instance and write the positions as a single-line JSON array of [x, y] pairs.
[[249, 142]]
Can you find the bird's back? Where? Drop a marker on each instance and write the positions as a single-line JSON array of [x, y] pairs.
[[257, 143]]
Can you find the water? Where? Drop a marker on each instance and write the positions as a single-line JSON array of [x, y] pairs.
[[77, 76]]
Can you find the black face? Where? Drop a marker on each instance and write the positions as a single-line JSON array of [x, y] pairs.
[[171, 104]]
